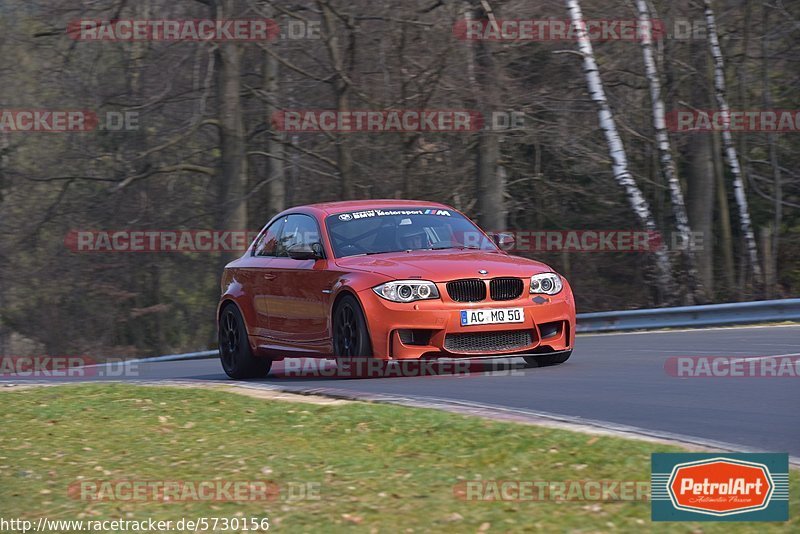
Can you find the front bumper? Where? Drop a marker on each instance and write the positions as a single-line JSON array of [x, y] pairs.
[[433, 327]]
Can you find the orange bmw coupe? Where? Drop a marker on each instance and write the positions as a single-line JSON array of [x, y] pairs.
[[388, 279]]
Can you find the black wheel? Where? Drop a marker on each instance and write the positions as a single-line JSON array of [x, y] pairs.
[[350, 334], [545, 360], [234, 348]]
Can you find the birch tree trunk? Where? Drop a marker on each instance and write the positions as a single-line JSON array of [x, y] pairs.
[[619, 160], [665, 150], [727, 140], [725, 230]]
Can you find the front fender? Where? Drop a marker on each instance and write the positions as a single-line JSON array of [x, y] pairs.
[[354, 283], [233, 292]]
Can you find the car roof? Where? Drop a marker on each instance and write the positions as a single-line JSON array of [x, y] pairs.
[[330, 208]]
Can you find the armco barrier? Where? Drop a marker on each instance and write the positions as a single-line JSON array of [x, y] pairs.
[[761, 311]]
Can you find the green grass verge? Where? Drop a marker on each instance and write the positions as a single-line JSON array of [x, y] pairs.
[[380, 468]]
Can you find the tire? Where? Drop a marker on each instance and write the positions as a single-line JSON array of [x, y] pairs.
[[235, 354], [546, 360], [350, 333]]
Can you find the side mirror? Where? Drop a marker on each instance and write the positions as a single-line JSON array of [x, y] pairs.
[[504, 240], [315, 252]]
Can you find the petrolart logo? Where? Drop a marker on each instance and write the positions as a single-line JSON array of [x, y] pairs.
[[720, 487]]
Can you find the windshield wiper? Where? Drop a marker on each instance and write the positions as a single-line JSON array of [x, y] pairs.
[[372, 253], [459, 247], [455, 247]]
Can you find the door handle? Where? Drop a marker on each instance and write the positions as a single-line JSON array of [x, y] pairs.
[[269, 277]]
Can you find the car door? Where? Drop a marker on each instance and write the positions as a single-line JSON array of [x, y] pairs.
[[260, 277], [299, 299]]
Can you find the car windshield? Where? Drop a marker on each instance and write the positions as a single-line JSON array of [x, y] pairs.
[[378, 231]]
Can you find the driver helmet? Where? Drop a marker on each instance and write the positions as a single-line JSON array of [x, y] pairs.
[[412, 238]]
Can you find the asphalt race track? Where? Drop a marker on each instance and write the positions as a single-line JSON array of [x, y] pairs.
[[619, 379]]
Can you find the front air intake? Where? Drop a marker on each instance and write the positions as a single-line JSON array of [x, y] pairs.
[[483, 342]]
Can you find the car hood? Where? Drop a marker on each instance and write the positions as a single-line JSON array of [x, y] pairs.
[[444, 265]]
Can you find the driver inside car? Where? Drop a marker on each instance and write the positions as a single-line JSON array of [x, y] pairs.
[[413, 238]]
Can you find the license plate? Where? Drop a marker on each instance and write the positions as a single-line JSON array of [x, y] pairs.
[[492, 316]]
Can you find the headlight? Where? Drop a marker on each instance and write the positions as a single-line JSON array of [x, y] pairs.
[[407, 290], [547, 283]]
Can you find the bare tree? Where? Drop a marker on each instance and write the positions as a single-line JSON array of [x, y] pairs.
[[233, 177], [341, 82], [276, 175], [727, 140], [771, 259], [619, 160], [491, 177], [665, 149]]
